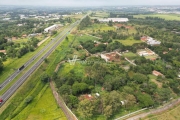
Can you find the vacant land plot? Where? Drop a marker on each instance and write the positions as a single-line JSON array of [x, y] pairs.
[[129, 42], [99, 28], [163, 16], [173, 114], [77, 68], [130, 55], [83, 38], [100, 14]]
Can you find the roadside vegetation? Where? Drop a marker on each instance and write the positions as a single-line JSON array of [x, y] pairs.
[[33, 91], [172, 114]]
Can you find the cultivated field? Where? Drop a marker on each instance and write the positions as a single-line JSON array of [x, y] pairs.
[[164, 16]]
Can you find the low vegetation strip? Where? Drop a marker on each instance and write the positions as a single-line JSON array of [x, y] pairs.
[[169, 115], [125, 116], [156, 111]]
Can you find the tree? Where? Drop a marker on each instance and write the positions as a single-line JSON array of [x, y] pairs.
[[110, 23], [78, 88], [86, 108], [108, 110], [65, 89], [114, 100], [164, 94], [130, 100], [139, 78], [1, 66], [144, 100], [45, 78], [28, 99]]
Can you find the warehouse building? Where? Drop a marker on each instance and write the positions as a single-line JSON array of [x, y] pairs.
[[51, 28], [114, 20]]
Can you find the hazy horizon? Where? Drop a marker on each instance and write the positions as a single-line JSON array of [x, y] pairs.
[[88, 2]]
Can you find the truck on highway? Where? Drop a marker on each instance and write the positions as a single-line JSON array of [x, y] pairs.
[[21, 68]]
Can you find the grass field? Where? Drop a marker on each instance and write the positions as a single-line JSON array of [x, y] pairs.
[[172, 114], [43, 107], [99, 27], [78, 69], [100, 14], [151, 57], [164, 16], [130, 55], [129, 42]]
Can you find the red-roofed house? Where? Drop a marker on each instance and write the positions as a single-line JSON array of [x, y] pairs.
[[86, 96], [144, 38], [113, 56], [156, 73], [3, 51]]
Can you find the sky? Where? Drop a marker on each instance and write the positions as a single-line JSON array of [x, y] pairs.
[[89, 2]]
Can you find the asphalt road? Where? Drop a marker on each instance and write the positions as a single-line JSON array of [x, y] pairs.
[[8, 80], [23, 78]]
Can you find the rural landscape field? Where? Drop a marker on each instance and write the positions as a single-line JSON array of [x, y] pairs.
[[67, 60]]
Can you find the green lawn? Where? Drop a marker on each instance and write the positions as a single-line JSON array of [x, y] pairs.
[[83, 38], [45, 108], [78, 69], [101, 14], [130, 55], [152, 76], [99, 27], [164, 16], [151, 56], [129, 42]]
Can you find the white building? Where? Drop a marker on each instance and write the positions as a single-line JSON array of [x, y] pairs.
[[51, 28], [104, 57], [114, 20], [151, 41]]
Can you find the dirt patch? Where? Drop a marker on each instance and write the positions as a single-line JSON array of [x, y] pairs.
[[41, 42], [159, 84]]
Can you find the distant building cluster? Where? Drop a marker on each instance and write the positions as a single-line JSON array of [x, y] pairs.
[[78, 13], [114, 20], [150, 41]]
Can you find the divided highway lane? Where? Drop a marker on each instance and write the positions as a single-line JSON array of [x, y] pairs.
[[33, 58], [21, 80]]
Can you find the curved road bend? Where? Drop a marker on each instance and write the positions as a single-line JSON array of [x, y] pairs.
[[34, 57], [21, 80]]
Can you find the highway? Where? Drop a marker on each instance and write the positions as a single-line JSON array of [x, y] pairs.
[[17, 72], [23, 78]]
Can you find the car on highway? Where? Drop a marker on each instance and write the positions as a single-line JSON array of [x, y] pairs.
[[1, 101]]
